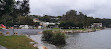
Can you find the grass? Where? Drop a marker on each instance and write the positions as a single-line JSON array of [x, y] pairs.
[[56, 28], [16, 42], [75, 29], [68, 29]]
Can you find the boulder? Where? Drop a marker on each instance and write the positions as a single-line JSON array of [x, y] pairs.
[[7, 33], [1, 33], [15, 33]]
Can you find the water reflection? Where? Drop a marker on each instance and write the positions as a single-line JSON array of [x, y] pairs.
[[94, 40]]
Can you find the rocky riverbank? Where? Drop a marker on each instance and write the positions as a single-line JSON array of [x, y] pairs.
[[79, 31]]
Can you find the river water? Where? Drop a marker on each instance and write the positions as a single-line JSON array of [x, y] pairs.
[[93, 40]]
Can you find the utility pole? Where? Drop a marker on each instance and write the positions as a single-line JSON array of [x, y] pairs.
[[13, 26]]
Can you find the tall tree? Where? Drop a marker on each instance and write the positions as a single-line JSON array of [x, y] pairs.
[[6, 7], [14, 9]]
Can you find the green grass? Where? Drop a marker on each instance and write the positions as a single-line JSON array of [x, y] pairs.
[[56, 28], [68, 29], [16, 42], [75, 29]]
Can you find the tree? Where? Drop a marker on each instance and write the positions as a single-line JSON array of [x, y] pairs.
[[25, 20], [66, 25], [6, 7], [21, 9], [74, 19], [5, 10], [46, 18], [11, 9], [24, 8]]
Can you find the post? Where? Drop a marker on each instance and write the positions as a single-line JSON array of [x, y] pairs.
[[13, 26]]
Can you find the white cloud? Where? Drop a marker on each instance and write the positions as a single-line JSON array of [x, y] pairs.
[[95, 8]]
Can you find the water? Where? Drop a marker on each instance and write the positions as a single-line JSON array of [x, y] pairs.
[[93, 40]]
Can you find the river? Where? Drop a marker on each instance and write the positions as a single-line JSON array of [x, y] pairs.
[[93, 40]]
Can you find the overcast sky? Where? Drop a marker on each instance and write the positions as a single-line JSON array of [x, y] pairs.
[[95, 8]]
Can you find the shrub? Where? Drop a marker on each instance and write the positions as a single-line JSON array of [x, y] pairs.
[[47, 35], [59, 39], [56, 38]]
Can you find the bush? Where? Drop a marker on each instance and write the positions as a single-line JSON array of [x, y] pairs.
[[59, 39], [56, 38], [47, 35]]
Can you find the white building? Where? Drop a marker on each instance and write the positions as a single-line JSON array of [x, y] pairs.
[[96, 25], [24, 26], [36, 20], [44, 24]]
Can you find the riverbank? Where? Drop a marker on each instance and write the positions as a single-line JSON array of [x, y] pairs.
[[76, 30], [16, 42], [80, 30], [95, 40]]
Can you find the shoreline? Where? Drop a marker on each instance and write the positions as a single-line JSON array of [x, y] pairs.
[[76, 30], [81, 31], [37, 41]]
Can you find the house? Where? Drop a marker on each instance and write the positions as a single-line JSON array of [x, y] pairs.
[[96, 25], [36, 20], [45, 24], [24, 26]]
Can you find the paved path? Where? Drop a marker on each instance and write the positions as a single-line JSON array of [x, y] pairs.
[[1, 47], [23, 31]]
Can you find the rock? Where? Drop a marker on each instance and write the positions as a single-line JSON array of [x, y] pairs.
[[35, 45], [42, 47], [1, 33], [32, 43], [7, 33], [15, 33]]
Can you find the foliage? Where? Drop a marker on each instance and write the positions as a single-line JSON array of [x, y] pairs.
[[81, 20], [47, 35], [24, 20], [13, 12], [6, 7], [66, 25], [57, 38]]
